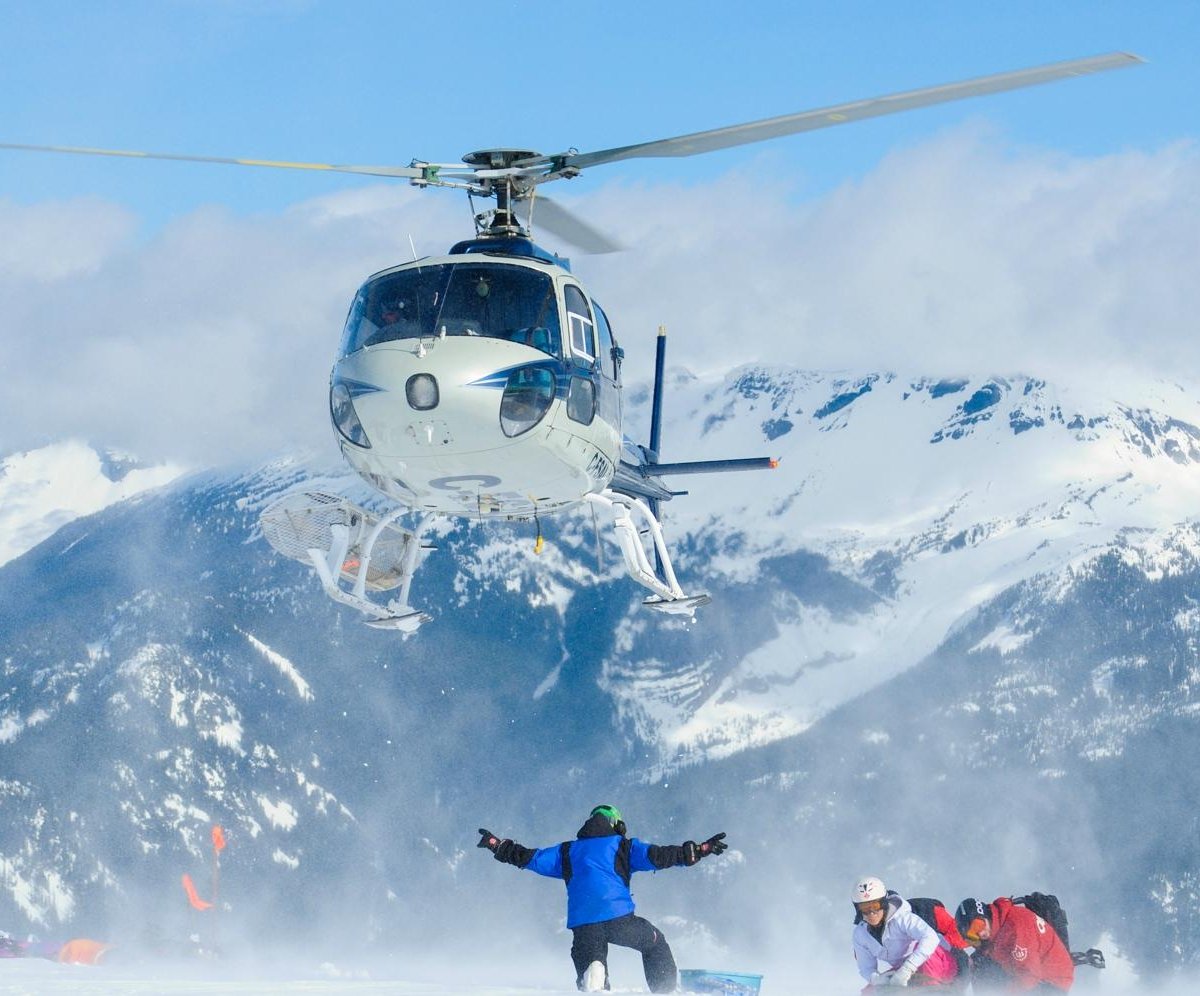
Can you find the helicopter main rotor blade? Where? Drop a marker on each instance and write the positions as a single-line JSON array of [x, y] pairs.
[[403, 172], [553, 217], [827, 117]]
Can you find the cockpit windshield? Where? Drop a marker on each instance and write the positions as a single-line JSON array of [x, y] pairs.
[[498, 300]]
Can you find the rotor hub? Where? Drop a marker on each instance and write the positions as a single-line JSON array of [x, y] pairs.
[[499, 158]]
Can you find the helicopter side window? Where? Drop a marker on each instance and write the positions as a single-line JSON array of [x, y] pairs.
[[581, 400], [608, 350], [583, 330]]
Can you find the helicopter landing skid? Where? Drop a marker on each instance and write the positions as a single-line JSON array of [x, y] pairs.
[[352, 550], [668, 596], [677, 606], [409, 622]]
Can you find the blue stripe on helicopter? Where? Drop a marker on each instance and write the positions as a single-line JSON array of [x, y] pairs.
[[357, 388], [498, 379]]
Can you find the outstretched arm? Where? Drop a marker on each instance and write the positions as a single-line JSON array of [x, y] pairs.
[[687, 853], [507, 851]]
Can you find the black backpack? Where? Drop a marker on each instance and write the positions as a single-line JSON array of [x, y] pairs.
[[924, 909], [1050, 910]]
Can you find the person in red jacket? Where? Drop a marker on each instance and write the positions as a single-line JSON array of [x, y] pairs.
[[945, 924], [1017, 944]]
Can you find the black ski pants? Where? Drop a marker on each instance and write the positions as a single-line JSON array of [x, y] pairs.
[[629, 931]]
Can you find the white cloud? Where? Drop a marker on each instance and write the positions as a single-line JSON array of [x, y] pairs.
[[58, 240], [951, 256], [212, 340]]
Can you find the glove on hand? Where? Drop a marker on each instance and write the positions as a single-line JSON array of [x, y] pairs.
[[901, 976], [693, 852], [488, 839], [879, 979]]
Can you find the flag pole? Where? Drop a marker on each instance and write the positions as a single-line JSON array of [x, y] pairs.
[[218, 842]]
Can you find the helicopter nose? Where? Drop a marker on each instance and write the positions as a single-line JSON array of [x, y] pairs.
[[444, 399]]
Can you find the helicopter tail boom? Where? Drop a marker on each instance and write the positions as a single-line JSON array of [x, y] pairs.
[[639, 478], [715, 466]]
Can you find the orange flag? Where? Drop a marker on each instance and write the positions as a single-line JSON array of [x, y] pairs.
[[218, 838], [193, 897]]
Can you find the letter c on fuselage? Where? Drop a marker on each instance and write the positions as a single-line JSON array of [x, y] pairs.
[[464, 482]]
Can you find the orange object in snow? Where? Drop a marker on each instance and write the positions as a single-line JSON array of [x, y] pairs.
[[218, 839], [82, 951], [193, 896]]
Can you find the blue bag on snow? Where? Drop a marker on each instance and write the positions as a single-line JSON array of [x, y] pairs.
[[707, 981]]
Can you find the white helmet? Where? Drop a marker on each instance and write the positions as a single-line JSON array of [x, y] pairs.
[[867, 888]]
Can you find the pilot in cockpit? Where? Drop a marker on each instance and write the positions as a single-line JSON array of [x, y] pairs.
[[397, 319]]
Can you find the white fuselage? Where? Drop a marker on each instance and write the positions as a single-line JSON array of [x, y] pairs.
[[455, 457]]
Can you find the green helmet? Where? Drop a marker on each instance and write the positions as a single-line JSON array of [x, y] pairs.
[[610, 813]]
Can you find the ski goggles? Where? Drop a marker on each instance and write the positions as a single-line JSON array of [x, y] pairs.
[[974, 929], [870, 906]]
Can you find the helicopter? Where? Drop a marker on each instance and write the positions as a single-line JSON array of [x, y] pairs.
[[486, 384]]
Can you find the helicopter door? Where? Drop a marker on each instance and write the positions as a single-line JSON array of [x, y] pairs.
[[609, 361], [583, 396], [583, 329]]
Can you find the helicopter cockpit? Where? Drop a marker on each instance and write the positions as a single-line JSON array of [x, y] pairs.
[[496, 300]]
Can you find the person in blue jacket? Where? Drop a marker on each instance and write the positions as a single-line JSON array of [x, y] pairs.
[[596, 867]]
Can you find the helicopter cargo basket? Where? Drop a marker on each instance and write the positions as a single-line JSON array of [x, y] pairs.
[[304, 520], [347, 545]]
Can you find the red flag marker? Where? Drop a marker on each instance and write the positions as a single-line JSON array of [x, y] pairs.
[[193, 896]]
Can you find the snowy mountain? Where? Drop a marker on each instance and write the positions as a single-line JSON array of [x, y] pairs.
[[924, 498], [43, 489], [953, 641]]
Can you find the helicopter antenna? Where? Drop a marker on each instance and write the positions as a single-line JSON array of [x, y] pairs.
[[412, 245]]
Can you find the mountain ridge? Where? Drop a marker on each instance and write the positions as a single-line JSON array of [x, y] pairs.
[[883, 602]]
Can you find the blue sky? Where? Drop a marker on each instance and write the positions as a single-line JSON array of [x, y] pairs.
[[372, 82], [1032, 231]]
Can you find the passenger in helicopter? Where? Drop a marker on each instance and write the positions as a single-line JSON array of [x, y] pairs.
[[397, 320], [538, 338]]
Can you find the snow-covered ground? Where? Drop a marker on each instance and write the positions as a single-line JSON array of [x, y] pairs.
[[824, 973], [34, 978], [48, 978]]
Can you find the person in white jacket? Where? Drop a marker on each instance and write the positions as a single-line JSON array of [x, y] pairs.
[[892, 943]]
